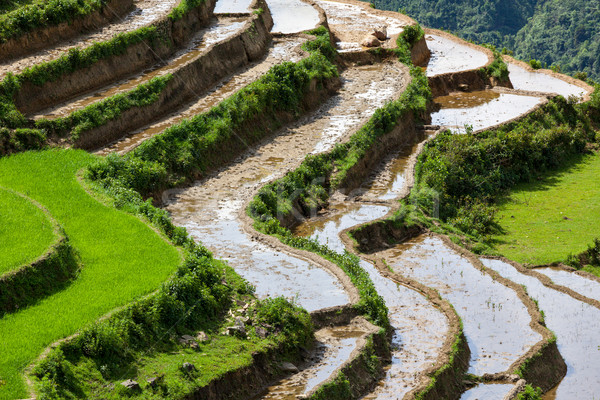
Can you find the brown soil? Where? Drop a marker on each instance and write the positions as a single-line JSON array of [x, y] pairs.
[[131, 22]]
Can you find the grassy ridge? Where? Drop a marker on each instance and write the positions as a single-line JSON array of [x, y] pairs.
[[40, 14], [115, 249], [25, 231]]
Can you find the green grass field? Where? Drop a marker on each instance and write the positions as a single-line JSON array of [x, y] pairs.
[[25, 231], [558, 215], [122, 259]]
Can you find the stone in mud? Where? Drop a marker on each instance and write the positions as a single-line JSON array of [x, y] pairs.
[[370, 41], [131, 384], [463, 87], [380, 32], [289, 367]]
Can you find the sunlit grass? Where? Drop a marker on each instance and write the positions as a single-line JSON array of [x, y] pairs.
[[122, 259], [25, 231], [558, 215]]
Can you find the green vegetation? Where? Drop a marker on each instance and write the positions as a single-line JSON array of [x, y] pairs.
[[99, 113], [184, 151], [556, 32], [40, 14], [459, 178], [10, 5], [26, 232], [530, 393], [307, 188], [115, 248], [545, 220]]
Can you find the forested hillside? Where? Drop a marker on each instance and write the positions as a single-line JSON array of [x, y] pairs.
[[556, 32]]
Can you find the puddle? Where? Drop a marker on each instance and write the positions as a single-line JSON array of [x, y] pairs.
[[352, 22], [292, 16], [232, 6], [222, 29], [281, 50], [209, 209], [487, 392], [334, 347], [523, 79], [481, 109], [496, 322], [576, 326], [450, 56], [577, 283], [419, 328]]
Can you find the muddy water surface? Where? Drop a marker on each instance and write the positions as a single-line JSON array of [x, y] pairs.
[[221, 29], [334, 347], [587, 287], [232, 6], [419, 328], [576, 325], [292, 16], [281, 50], [210, 209], [496, 322], [481, 109], [539, 82], [450, 56], [144, 13], [487, 392]]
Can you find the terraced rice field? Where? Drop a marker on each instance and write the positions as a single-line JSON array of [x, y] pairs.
[[191, 130]]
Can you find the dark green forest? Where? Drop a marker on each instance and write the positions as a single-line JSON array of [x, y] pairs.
[[564, 33]]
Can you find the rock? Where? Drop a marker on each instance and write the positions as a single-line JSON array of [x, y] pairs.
[[131, 384], [289, 367], [237, 331], [380, 32], [154, 381], [188, 340], [189, 367], [370, 41], [262, 333], [463, 87], [202, 337], [241, 321], [240, 303]]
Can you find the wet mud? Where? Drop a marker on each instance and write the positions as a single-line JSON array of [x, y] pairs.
[[575, 324], [210, 209]]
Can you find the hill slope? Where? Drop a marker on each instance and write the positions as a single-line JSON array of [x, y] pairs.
[[556, 32]]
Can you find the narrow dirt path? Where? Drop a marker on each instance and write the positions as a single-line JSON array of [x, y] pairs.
[[209, 209], [144, 13], [283, 49]]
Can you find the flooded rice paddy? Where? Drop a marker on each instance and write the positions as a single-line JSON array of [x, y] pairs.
[[523, 79], [451, 56], [575, 324], [580, 284], [293, 16]]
